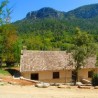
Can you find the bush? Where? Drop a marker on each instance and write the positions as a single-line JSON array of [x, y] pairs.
[[95, 80]]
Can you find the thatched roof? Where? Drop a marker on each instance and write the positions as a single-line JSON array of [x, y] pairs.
[[48, 60]]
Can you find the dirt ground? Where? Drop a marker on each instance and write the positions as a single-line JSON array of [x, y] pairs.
[[21, 82], [15, 91], [24, 89]]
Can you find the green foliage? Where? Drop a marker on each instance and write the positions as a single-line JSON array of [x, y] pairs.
[[47, 40], [17, 47], [10, 46], [67, 46], [49, 19], [82, 38], [95, 80], [3, 72], [84, 48], [79, 56], [43, 30], [49, 29]]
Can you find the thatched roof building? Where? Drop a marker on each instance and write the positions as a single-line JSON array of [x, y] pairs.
[[49, 60]]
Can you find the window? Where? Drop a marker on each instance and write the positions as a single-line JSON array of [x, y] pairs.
[[90, 74], [34, 76], [55, 75]]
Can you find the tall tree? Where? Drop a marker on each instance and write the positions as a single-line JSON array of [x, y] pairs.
[[84, 47], [2, 21], [8, 35], [9, 40]]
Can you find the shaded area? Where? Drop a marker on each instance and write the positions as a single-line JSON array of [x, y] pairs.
[[14, 72]]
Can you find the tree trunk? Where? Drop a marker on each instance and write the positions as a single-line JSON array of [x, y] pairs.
[[75, 76]]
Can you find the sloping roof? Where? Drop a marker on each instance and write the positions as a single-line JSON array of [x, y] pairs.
[[48, 60]]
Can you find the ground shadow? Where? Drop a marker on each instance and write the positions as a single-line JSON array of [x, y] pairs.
[[14, 72]]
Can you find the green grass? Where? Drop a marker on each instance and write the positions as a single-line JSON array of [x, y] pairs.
[[4, 72]]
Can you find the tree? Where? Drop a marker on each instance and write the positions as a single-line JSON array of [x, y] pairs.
[[8, 36], [9, 40], [2, 21], [84, 47], [4, 12]]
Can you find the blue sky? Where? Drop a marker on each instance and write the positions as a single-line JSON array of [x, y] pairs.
[[22, 7]]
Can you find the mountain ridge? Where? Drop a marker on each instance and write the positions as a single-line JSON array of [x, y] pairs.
[[45, 12], [84, 17], [49, 29], [86, 11]]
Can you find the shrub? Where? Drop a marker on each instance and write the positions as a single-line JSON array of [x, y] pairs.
[[95, 80]]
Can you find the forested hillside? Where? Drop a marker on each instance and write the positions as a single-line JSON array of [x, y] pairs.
[[49, 29]]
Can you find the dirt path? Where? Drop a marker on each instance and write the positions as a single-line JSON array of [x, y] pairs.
[[18, 90], [9, 91], [21, 82]]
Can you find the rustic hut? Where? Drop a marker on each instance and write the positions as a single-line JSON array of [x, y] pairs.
[[52, 66]]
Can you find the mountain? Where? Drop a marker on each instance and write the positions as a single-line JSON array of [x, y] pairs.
[[45, 12], [45, 19], [87, 11], [49, 29]]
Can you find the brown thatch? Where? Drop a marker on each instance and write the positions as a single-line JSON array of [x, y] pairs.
[[48, 60]]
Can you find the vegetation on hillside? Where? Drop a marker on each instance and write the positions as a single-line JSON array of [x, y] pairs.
[[49, 32]]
